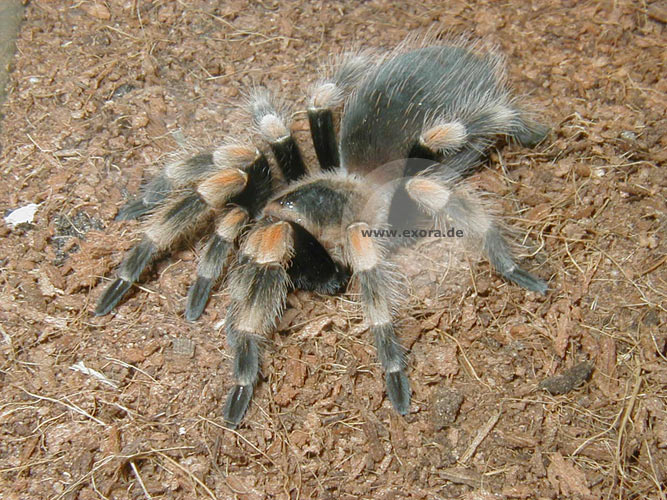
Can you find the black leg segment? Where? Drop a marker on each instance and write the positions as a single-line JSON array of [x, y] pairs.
[[323, 133], [130, 270], [153, 194], [210, 267], [289, 158], [246, 370], [258, 190]]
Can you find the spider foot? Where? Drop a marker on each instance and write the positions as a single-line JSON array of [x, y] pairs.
[[154, 193], [197, 298], [130, 270], [133, 210], [236, 405], [398, 390], [531, 133], [526, 280], [111, 296]]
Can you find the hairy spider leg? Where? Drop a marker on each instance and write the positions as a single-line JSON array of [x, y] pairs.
[[176, 175], [328, 94], [242, 208], [323, 132], [270, 122], [170, 224], [274, 258], [216, 254], [258, 289], [452, 201], [450, 146], [377, 294]]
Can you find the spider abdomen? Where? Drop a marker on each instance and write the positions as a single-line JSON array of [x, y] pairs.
[[409, 93]]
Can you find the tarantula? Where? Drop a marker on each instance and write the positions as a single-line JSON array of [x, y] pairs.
[[416, 121]]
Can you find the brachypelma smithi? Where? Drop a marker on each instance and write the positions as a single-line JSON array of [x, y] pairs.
[[415, 122]]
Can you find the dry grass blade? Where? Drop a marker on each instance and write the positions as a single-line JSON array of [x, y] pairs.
[[481, 434]]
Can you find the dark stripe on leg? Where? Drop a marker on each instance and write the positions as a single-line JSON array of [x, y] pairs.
[[130, 270], [390, 352], [258, 287], [323, 133], [191, 170], [391, 355], [246, 370], [378, 293], [185, 211], [170, 225], [209, 270], [398, 391], [154, 193], [289, 158], [198, 296], [501, 258], [258, 189], [111, 296], [530, 133], [404, 213], [236, 405], [174, 175], [421, 151]]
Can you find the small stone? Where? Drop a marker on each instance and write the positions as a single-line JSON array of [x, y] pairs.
[[572, 378], [445, 407]]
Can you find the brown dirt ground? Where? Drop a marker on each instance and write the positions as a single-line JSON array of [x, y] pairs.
[[101, 92]]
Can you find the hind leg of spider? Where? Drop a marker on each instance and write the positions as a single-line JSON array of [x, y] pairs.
[[528, 132], [442, 141], [377, 288], [258, 287], [170, 224], [451, 201]]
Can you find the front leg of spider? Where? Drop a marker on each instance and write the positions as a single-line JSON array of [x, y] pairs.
[[240, 210], [275, 257], [258, 288], [377, 289]]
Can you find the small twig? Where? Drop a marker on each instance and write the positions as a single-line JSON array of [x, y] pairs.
[[132, 367], [655, 266], [187, 473], [483, 432], [462, 476], [69, 405], [141, 482], [655, 472], [624, 421], [242, 438], [472, 368]]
